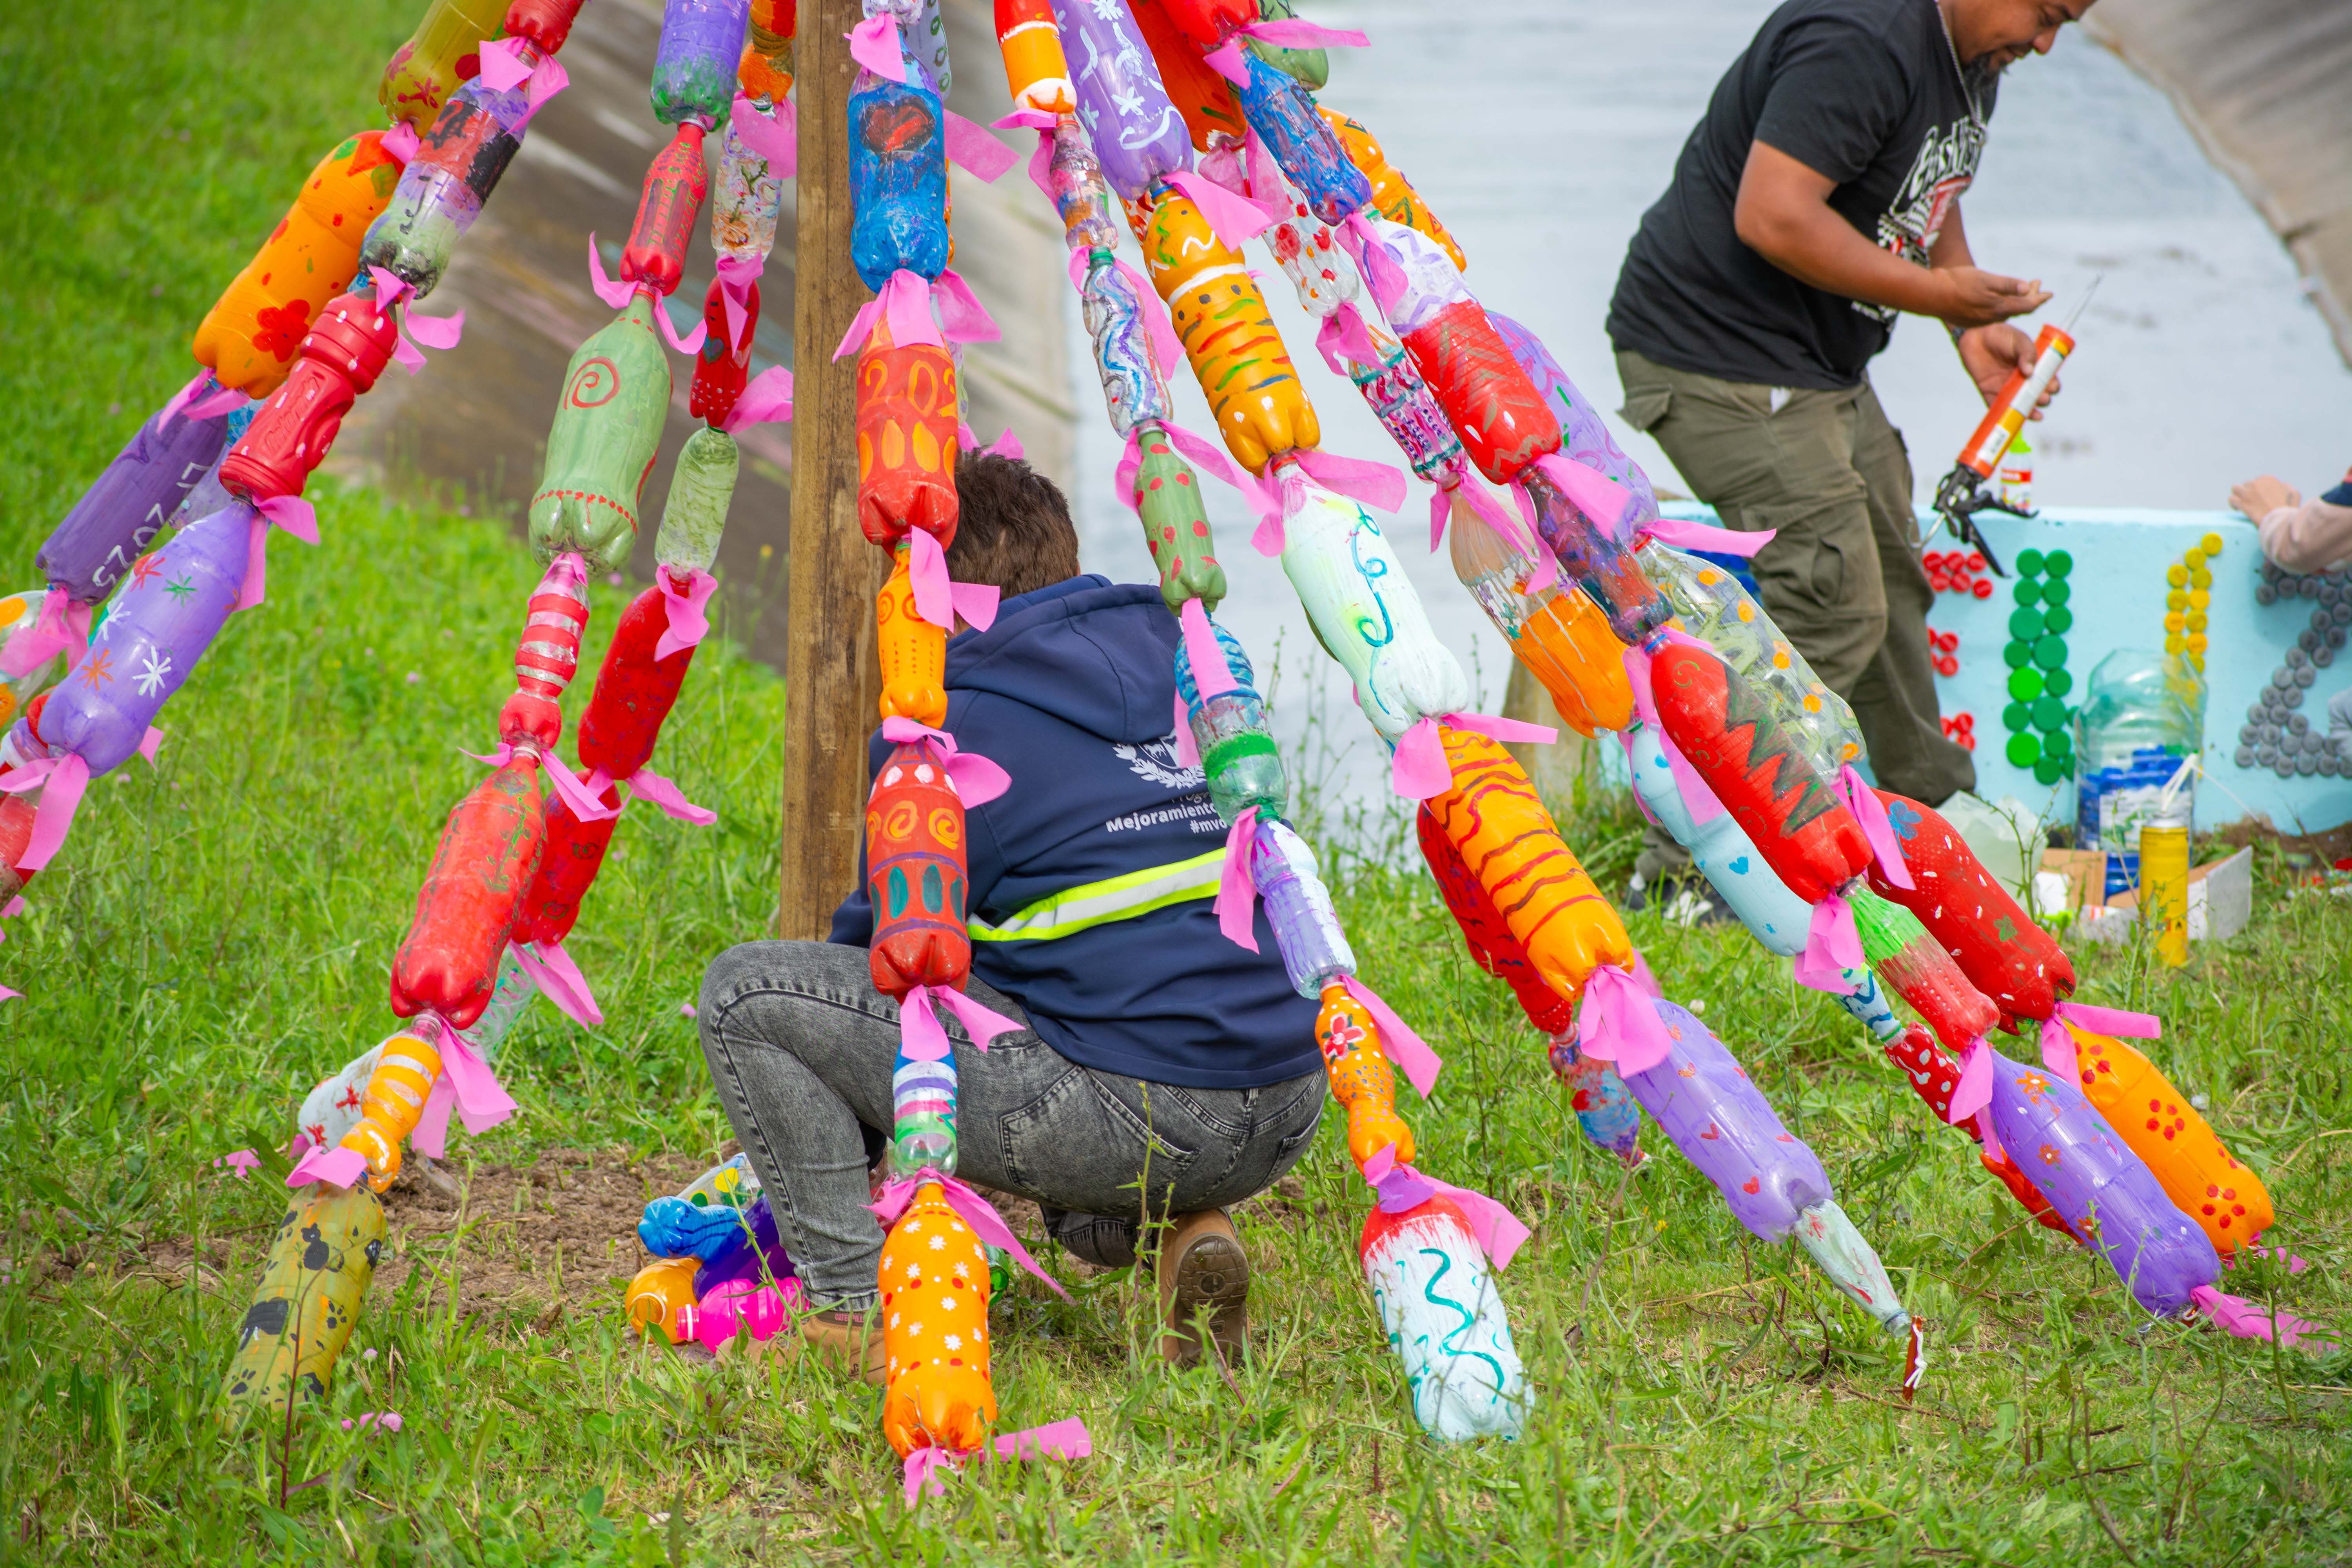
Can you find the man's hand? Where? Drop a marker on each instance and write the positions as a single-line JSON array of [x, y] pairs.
[[1975, 298], [1990, 353], [2260, 498]]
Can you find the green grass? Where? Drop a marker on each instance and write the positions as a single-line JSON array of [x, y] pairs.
[[216, 936]]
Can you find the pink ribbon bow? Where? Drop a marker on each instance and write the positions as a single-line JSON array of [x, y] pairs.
[[551, 969], [1972, 1095], [211, 406], [939, 598], [433, 332], [569, 787], [970, 1207], [617, 294], [766, 399], [1617, 1022], [466, 1084], [61, 625], [1419, 769], [977, 779], [1832, 947], [1041, 158], [587, 802], [1344, 338], [400, 143], [736, 274], [293, 514], [1064, 1439], [2058, 1045], [1601, 498], [773, 136], [1212, 676], [874, 44], [1696, 793], [1871, 812], [614, 294], [1213, 461], [684, 601], [1405, 1049], [1375, 485], [971, 146], [1518, 530], [1226, 59], [1236, 903], [1498, 1231], [503, 70], [1684, 534], [2250, 1321], [1236, 220], [63, 779], [1006, 446], [905, 302], [962, 317]]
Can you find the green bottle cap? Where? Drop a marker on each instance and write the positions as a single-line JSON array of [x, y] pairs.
[[2049, 713], [2028, 562], [2058, 620], [2016, 715], [2049, 769], [2058, 682], [2028, 591], [2025, 685], [2016, 655], [2058, 563], [2023, 751], [2025, 624], [2050, 652], [2057, 592]]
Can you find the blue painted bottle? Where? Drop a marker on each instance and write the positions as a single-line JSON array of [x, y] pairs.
[[897, 176], [1283, 114]]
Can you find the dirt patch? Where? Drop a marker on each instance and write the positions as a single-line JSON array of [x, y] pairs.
[[524, 1241], [2321, 849]]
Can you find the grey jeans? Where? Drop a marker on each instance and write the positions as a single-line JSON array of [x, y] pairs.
[[802, 1046]]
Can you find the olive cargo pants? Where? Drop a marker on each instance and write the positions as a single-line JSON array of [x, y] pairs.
[[1842, 575]]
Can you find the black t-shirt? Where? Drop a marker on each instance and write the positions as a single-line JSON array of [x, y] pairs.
[[1867, 92]]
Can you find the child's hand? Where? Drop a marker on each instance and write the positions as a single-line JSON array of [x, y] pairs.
[[2260, 498]]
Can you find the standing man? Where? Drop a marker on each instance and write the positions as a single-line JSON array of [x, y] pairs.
[[1819, 197]]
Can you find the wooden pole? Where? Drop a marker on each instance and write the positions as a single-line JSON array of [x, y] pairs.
[[834, 683]]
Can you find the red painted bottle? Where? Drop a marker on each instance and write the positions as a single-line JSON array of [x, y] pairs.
[[676, 185], [1492, 946], [2001, 950], [1502, 420], [1933, 1076], [342, 355], [567, 870], [635, 691], [915, 875], [545, 660], [722, 368], [546, 22], [489, 852], [1759, 772]]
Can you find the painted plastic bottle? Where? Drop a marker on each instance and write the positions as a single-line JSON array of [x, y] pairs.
[[1491, 945], [701, 487], [1121, 100], [668, 206], [897, 179], [915, 860], [747, 193], [935, 1330], [441, 193], [907, 439], [1175, 523], [1282, 115], [321, 1263], [1204, 98], [1393, 196], [2002, 950], [490, 851], [722, 368], [248, 338], [345, 351], [1133, 387], [127, 505], [912, 651], [603, 442], [1362, 1082], [1254, 390], [1604, 1107], [695, 61], [1436, 1297], [765, 70], [445, 51], [1921, 973], [2164, 1128], [1237, 751], [1558, 632], [1314, 950], [1035, 66]]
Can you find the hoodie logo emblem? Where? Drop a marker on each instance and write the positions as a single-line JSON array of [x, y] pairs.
[[1156, 761]]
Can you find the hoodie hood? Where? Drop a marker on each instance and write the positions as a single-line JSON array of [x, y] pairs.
[[1093, 653]]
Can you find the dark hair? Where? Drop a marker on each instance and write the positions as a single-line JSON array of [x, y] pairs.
[[1013, 529]]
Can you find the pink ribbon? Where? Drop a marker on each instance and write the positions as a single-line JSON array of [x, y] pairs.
[[1234, 219], [1236, 903], [1697, 794], [970, 1207], [1871, 812], [433, 332], [939, 598], [962, 317], [977, 779], [1832, 947], [771, 135], [1226, 59], [1418, 769], [466, 1084], [1375, 485], [504, 69], [905, 303], [874, 44], [1973, 1093], [212, 405], [551, 969], [1212, 676], [2058, 1045], [1041, 158], [2250, 1321], [1376, 261], [291, 513], [1212, 460], [1616, 1022], [976, 150], [67, 776], [1407, 1050], [1343, 337], [400, 143], [684, 601], [1685, 535], [1064, 1439], [662, 793], [1497, 1230], [1187, 750], [616, 295], [1599, 497], [689, 344], [1264, 181], [766, 399], [736, 274], [1515, 526], [338, 1166], [61, 625], [1006, 446]]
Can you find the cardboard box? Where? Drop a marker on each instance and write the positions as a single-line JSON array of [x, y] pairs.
[[2220, 903]]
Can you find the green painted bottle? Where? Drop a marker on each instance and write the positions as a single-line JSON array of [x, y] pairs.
[[607, 430], [700, 490], [1175, 524]]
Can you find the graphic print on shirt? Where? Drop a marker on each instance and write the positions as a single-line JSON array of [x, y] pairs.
[[1946, 166], [1156, 761]]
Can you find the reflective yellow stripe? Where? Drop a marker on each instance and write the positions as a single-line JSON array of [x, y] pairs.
[[1074, 909]]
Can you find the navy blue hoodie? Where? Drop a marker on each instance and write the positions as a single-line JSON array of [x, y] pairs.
[[1073, 692]]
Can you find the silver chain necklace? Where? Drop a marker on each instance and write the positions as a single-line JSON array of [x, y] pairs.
[[1952, 49]]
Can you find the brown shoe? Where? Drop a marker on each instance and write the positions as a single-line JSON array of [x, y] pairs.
[[848, 1340], [1202, 1268]]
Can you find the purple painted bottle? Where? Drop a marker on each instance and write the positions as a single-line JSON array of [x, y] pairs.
[[1298, 906], [171, 607], [2100, 1187], [1583, 434], [1701, 1098], [121, 513], [694, 64], [1137, 135]]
